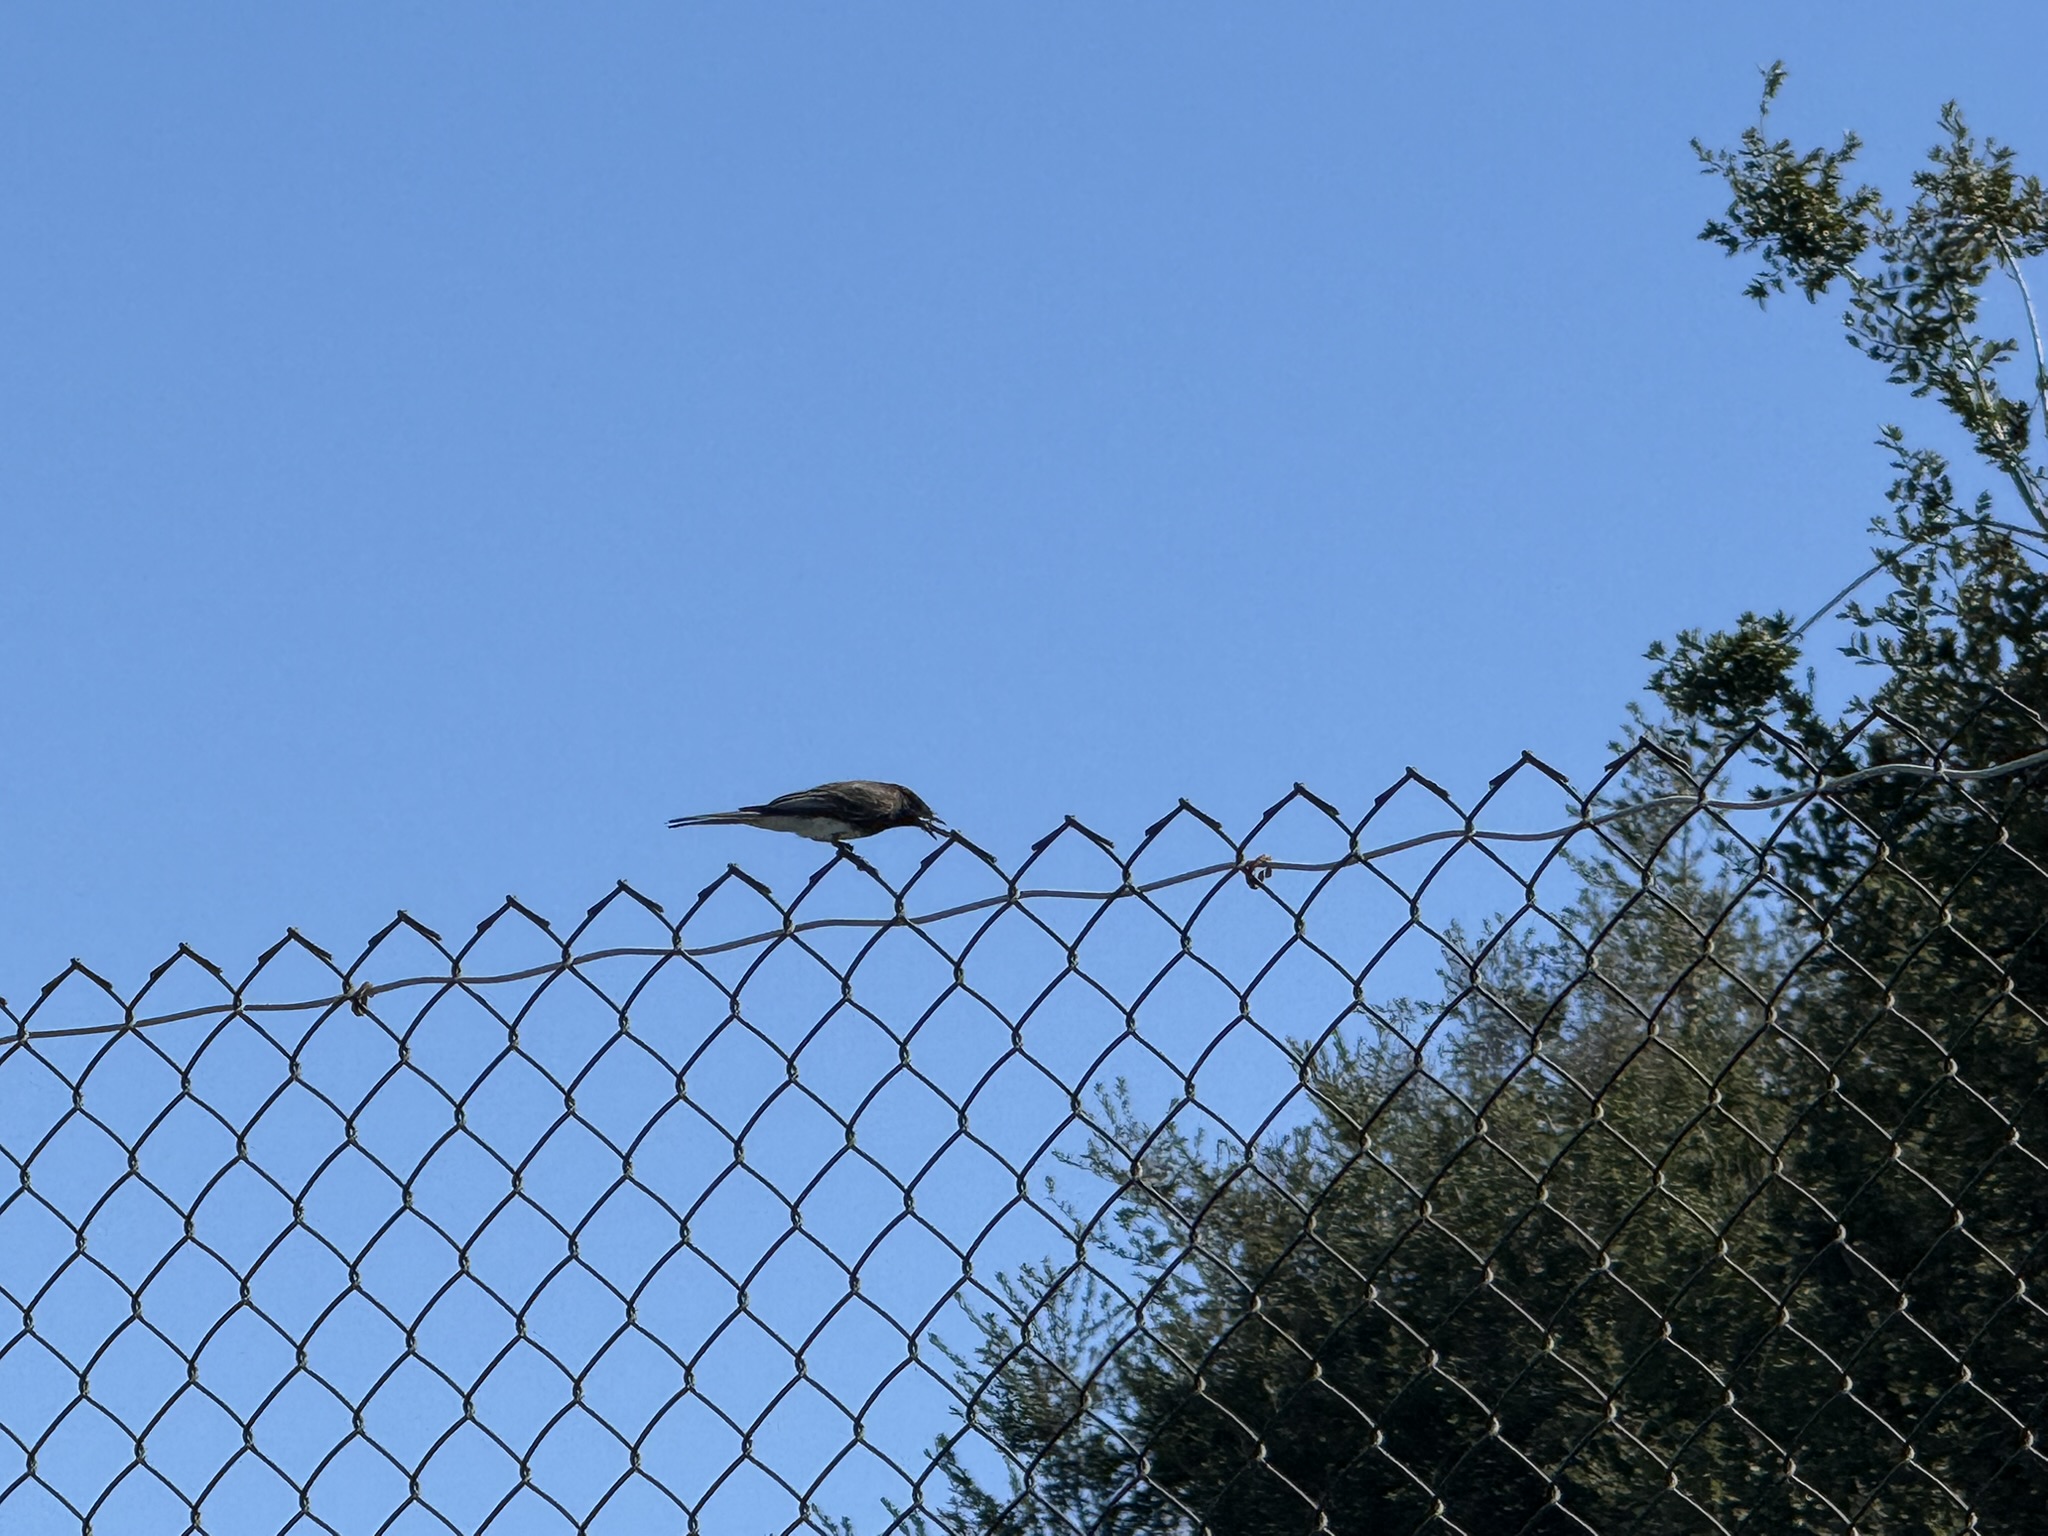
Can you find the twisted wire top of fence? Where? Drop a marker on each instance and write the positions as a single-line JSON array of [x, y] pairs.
[[1243, 862]]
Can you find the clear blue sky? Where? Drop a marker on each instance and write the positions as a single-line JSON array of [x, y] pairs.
[[440, 443]]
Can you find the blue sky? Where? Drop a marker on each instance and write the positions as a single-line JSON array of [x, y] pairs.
[[443, 442]]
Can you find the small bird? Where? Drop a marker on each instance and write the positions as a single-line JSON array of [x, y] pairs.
[[831, 813]]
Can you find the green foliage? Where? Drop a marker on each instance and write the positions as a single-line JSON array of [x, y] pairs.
[[1730, 677], [1916, 309], [1916, 314], [1791, 207], [1717, 1204]]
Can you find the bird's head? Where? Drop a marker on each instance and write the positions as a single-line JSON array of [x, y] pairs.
[[916, 813]]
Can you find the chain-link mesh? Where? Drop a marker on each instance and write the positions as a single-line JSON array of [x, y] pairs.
[[1399, 1173]]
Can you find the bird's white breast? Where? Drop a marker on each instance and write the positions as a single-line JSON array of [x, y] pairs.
[[822, 829]]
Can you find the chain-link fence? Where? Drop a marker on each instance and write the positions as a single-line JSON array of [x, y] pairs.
[[1655, 1159]]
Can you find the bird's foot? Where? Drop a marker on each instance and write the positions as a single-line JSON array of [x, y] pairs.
[[859, 863]]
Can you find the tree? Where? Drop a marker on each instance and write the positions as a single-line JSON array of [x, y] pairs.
[[1925, 1003], [1720, 1205]]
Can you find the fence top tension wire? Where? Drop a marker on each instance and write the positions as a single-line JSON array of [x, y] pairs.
[[360, 995]]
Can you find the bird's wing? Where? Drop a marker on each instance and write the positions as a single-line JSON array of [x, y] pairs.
[[847, 797]]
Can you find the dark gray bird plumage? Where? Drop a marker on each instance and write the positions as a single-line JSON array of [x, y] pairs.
[[831, 813]]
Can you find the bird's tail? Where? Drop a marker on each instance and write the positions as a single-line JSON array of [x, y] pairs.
[[716, 819]]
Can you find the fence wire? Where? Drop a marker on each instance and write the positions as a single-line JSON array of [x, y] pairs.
[[1675, 1166]]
